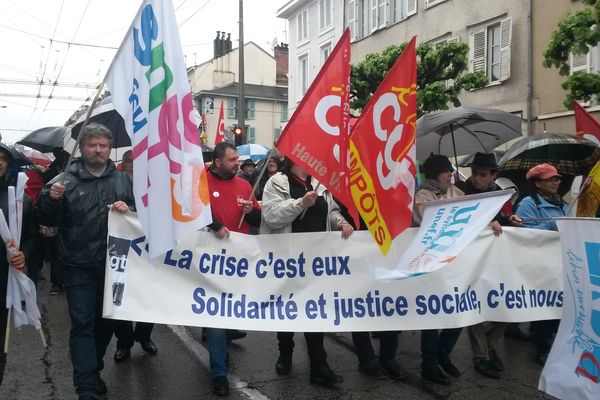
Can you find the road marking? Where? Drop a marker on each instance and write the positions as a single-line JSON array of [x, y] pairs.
[[201, 353]]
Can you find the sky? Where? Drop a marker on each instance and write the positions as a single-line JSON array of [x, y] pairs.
[[72, 42]]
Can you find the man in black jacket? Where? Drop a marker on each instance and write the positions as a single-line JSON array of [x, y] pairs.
[[77, 201]]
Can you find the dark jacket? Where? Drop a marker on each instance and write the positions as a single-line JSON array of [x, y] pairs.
[[81, 215], [503, 216]]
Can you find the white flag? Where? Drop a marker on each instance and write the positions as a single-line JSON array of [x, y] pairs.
[[150, 90], [447, 228], [572, 370]]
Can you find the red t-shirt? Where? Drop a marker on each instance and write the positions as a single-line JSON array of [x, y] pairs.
[[224, 205]]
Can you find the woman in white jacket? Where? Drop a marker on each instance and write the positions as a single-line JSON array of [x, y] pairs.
[[290, 203]]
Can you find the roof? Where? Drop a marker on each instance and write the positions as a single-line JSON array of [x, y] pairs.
[[234, 50], [289, 8], [260, 92]]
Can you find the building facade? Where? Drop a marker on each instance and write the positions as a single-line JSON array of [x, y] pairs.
[[506, 38], [215, 82]]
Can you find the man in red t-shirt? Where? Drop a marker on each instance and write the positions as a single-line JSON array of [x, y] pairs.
[[229, 200]]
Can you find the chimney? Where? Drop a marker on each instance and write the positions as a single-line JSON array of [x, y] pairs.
[[228, 43], [281, 64], [216, 45]]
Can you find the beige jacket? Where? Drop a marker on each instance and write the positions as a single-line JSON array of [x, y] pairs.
[[279, 210], [423, 195]]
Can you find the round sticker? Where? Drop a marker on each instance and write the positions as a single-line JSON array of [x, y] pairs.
[[216, 194]]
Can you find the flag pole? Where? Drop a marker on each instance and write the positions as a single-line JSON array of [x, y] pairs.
[[258, 178], [7, 333], [101, 86]]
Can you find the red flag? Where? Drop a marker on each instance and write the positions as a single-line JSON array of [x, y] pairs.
[[585, 123], [382, 152], [220, 136], [316, 136]]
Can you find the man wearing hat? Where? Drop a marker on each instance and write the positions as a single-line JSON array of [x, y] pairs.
[[484, 337], [539, 211], [247, 171]]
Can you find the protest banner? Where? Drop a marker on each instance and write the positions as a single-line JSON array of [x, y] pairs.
[[572, 370], [382, 152], [319, 282], [588, 201], [585, 124], [448, 227], [150, 90]]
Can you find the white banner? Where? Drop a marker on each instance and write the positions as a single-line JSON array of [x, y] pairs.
[[572, 370], [319, 282], [150, 90], [448, 227]]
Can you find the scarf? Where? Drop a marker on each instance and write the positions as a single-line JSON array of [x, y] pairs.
[[434, 186]]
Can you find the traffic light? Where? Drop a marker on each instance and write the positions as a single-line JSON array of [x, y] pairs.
[[238, 134]]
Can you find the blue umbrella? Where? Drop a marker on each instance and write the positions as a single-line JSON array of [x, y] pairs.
[[252, 151]]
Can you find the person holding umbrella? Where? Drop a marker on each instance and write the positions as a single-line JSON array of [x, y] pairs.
[[538, 211], [436, 346]]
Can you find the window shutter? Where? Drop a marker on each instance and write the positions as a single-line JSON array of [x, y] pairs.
[[411, 7], [232, 108], [352, 19], [478, 50], [381, 14], [372, 16], [580, 62], [505, 39], [251, 135]]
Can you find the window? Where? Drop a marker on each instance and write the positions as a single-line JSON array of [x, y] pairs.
[[490, 50], [324, 51], [250, 108], [284, 112], [431, 3], [580, 62], [276, 134], [251, 135], [377, 14], [302, 75], [366, 16], [404, 9], [302, 26], [325, 11], [352, 22], [232, 108]]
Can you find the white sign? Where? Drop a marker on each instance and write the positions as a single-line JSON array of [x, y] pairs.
[[319, 282], [572, 370]]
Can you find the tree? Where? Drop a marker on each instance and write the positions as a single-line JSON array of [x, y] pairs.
[[440, 75], [576, 34]]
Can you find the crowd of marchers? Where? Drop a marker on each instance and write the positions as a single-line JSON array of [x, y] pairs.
[[65, 222]]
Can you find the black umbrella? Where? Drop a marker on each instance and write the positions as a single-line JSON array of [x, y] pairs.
[[570, 154], [465, 130], [104, 113], [466, 161], [19, 158], [45, 139]]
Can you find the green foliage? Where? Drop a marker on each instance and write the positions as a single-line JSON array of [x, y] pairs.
[[576, 33], [440, 75]]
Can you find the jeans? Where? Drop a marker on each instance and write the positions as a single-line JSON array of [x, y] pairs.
[[126, 335], [436, 345], [90, 333], [388, 344], [217, 347], [484, 337]]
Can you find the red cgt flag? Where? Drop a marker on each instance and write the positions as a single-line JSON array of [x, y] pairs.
[[585, 123], [220, 136], [382, 152], [316, 136]]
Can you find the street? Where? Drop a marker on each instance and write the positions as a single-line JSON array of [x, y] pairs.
[[181, 370]]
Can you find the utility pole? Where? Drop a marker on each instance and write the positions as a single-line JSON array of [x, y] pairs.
[[241, 109]]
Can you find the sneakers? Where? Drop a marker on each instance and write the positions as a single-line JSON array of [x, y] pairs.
[[392, 367], [496, 361], [284, 364], [122, 355], [434, 374], [55, 289], [220, 386], [323, 375], [372, 368], [450, 368], [149, 347], [486, 368]]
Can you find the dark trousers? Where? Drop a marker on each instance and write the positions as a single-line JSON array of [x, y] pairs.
[[126, 334], [90, 333], [3, 323], [388, 344], [542, 332], [51, 255], [314, 344], [35, 258], [436, 345]]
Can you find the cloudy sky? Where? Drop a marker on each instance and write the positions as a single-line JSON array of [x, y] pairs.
[[72, 42]]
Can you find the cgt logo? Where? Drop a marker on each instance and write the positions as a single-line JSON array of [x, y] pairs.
[[117, 250]]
